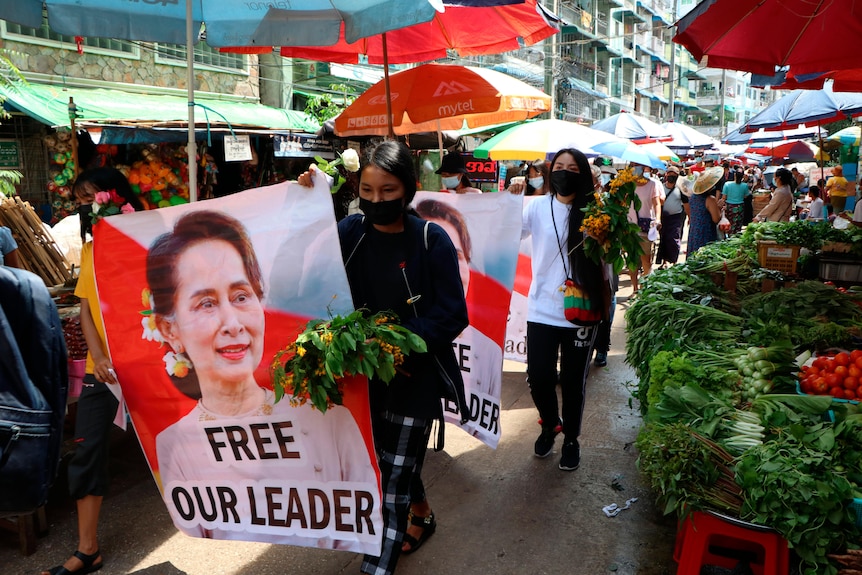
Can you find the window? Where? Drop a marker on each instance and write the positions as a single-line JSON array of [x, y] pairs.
[[204, 54], [44, 33]]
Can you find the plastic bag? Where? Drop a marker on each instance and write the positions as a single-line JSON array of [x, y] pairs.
[[724, 223]]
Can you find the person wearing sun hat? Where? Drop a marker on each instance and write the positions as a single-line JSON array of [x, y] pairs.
[[453, 174], [705, 209]]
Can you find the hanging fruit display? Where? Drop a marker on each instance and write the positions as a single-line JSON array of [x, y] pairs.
[[158, 174]]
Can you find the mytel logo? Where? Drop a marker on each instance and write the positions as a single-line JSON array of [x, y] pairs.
[[449, 88], [381, 99]]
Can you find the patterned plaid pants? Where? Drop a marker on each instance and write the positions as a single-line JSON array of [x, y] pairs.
[[401, 443]]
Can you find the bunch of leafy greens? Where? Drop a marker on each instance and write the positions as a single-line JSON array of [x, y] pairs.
[[313, 366], [676, 369], [798, 484], [811, 314], [687, 471]]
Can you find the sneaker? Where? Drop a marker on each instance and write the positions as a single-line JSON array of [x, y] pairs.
[[601, 359], [571, 457], [545, 443]]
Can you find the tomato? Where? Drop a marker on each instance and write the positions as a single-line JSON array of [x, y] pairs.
[[858, 362], [849, 394], [842, 358], [820, 386], [820, 363], [841, 371], [833, 380], [855, 355], [851, 382], [813, 371], [837, 392], [854, 371]]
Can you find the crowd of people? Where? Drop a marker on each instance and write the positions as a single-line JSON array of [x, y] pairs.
[[391, 252]]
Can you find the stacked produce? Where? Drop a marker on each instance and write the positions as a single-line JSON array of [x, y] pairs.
[[76, 345], [727, 425], [160, 178]]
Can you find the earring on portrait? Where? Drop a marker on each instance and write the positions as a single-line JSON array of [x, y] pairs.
[[177, 364]]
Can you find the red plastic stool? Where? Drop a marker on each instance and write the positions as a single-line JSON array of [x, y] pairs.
[[714, 539]]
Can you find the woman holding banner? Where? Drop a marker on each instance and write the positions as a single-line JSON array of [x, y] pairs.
[[97, 406], [554, 222], [396, 261], [237, 446]]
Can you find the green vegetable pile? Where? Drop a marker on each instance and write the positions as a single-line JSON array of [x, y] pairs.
[[724, 426]]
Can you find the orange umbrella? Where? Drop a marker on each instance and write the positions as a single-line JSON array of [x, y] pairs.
[[435, 97]]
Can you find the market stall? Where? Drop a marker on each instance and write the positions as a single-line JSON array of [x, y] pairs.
[[734, 424]]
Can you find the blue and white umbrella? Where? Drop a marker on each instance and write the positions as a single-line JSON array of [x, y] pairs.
[[630, 152]]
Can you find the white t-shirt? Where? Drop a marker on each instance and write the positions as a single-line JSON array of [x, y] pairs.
[[545, 300], [815, 210]]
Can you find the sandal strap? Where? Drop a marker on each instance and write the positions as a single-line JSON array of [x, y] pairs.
[[87, 560], [419, 521]]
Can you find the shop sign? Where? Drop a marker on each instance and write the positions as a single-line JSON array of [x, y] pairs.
[[479, 170], [237, 148], [10, 157], [301, 146]]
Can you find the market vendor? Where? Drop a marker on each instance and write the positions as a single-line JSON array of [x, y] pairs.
[[780, 206]]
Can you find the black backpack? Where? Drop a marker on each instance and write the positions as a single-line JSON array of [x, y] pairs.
[[33, 388]]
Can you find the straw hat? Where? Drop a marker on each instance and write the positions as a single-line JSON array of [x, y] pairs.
[[707, 179]]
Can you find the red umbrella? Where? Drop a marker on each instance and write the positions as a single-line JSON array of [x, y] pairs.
[[810, 36], [795, 151], [467, 30], [468, 27]]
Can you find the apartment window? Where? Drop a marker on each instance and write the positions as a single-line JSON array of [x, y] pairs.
[[44, 35], [204, 55]]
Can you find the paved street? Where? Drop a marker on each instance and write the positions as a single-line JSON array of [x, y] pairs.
[[500, 512]]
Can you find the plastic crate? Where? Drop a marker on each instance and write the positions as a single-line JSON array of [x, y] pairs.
[[774, 256], [856, 505]]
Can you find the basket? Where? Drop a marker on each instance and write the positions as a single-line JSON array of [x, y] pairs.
[[774, 256], [759, 201]]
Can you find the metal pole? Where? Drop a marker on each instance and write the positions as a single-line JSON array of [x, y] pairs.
[[73, 113], [389, 118], [550, 58], [190, 66], [721, 112], [672, 80]]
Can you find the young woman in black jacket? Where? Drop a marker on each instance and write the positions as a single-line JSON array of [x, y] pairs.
[[397, 262]]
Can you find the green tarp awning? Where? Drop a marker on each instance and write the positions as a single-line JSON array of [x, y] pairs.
[[50, 105]]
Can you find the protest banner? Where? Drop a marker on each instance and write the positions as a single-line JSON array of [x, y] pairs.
[[486, 230], [515, 348], [197, 300]]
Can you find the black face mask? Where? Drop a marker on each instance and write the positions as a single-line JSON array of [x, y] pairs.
[[565, 183], [85, 213], [382, 213]]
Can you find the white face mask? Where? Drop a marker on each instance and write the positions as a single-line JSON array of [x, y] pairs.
[[536, 182], [451, 182]]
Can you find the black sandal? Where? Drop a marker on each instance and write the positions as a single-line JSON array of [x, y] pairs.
[[428, 525], [89, 562]]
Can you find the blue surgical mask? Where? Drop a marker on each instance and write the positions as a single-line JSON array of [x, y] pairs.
[[450, 182], [537, 182], [605, 179]]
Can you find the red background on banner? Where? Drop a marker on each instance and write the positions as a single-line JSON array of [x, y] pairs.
[[153, 401]]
